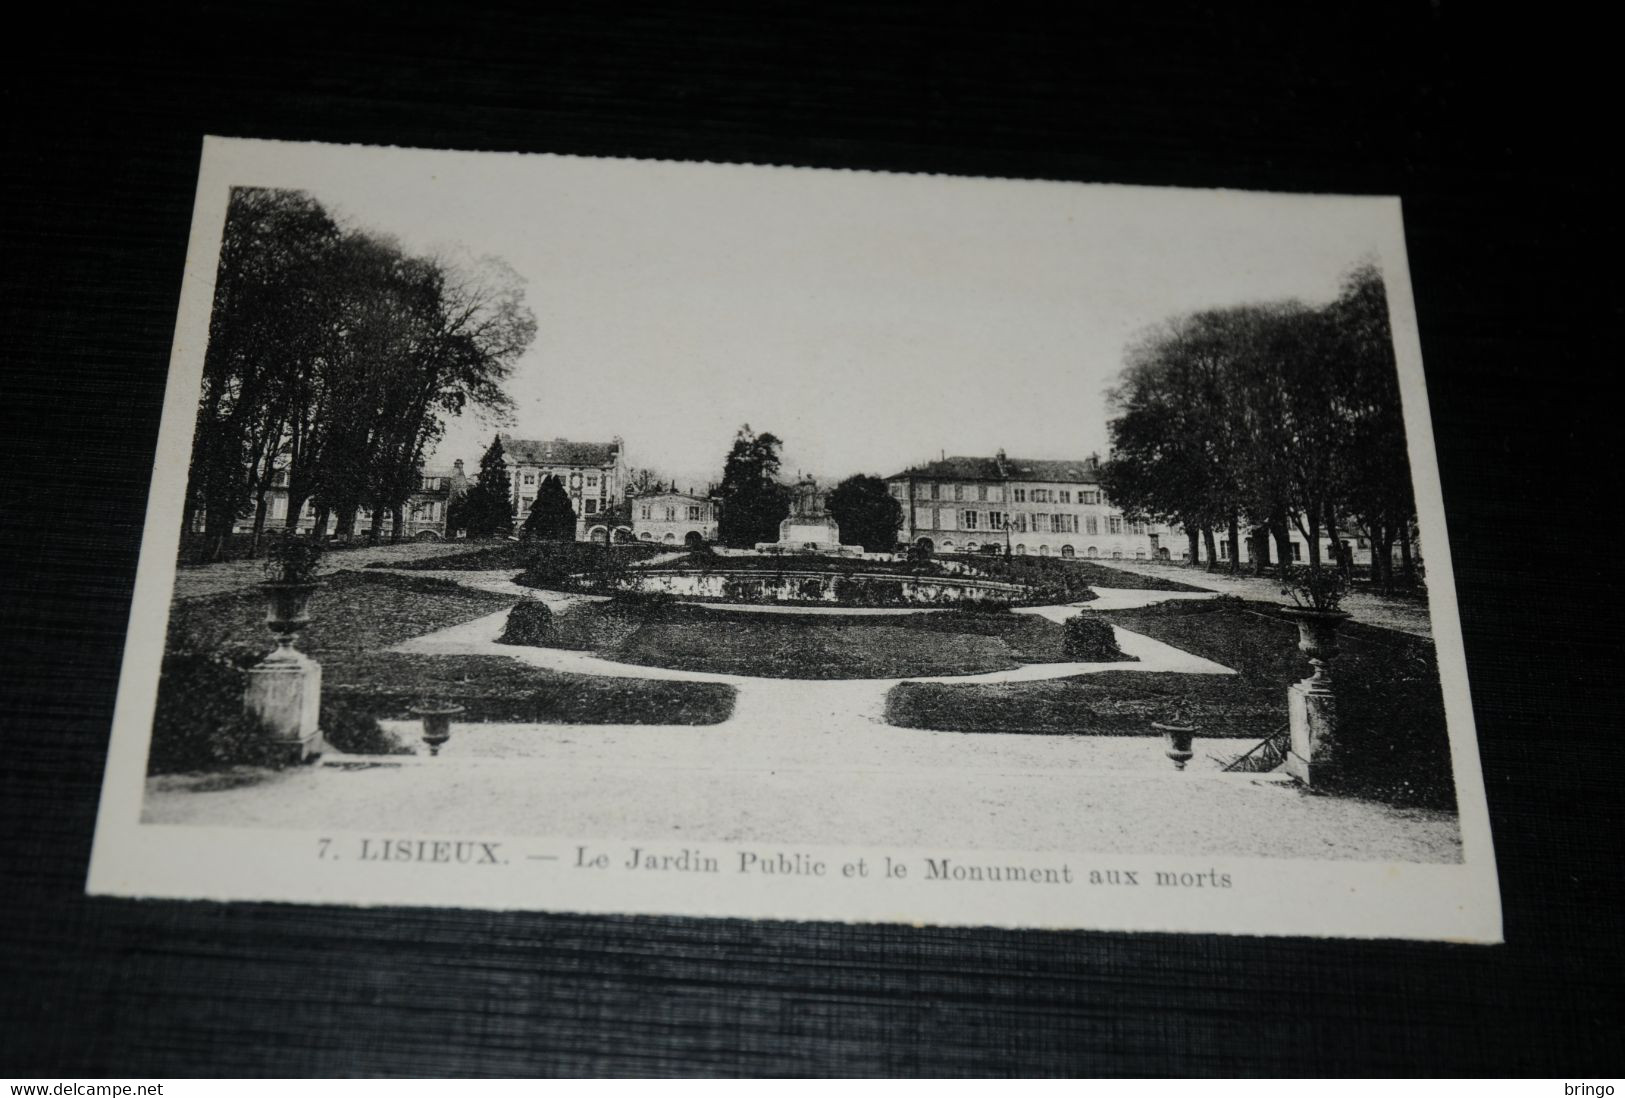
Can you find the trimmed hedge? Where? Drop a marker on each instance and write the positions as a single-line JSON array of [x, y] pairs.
[[1088, 639], [530, 622]]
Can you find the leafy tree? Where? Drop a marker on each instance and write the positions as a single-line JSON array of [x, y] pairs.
[[752, 501], [334, 360], [1376, 483], [485, 509], [551, 516], [867, 513], [264, 329]]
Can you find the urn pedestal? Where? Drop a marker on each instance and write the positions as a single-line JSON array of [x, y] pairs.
[[285, 688], [1312, 756]]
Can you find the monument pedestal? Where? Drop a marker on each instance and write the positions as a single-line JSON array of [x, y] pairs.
[[1312, 755], [285, 693]]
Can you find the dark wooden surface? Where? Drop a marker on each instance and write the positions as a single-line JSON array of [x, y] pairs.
[[1497, 137]]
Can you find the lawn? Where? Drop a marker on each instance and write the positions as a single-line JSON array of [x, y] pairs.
[[1390, 706], [517, 555], [660, 633], [355, 616]]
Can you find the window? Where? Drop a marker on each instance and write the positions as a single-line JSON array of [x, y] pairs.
[[1114, 524], [671, 514], [959, 492], [643, 512], [995, 520], [936, 490], [1297, 550], [1067, 550], [981, 492], [694, 513], [1020, 523], [530, 480], [592, 506], [1040, 523], [592, 482], [1066, 495], [1091, 524], [1093, 552], [897, 491], [1089, 495], [967, 520], [1021, 495]]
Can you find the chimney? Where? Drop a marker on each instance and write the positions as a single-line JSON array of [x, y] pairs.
[[458, 465]]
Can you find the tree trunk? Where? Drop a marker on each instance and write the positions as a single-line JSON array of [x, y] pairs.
[[1212, 549], [398, 516], [1260, 538], [1283, 537], [296, 509], [377, 529], [1194, 536], [319, 529], [1235, 545], [217, 524], [1406, 564], [1311, 534], [346, 524]]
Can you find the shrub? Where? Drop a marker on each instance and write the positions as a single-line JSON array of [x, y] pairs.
[[292, 559], [1314, 588], [199, 723], [530, 622], [354, 732], [1088, 639]]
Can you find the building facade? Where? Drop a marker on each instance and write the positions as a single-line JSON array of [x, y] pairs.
[[422, 517], [593, 475], [1023, 506], [1049, 508], [673, 518]]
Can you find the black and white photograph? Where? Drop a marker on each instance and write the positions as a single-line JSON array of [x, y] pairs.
[[583, 534]]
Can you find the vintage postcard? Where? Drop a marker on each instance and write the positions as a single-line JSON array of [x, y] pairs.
[[617, 536]]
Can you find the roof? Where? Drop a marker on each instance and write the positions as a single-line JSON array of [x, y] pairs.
[[648, 496], [1075, 471], [557, 451]]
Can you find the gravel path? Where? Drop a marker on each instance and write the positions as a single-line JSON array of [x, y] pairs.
[[934, 790], [1400, 614]]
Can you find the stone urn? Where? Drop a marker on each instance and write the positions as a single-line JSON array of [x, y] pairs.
[[1177, 737], [436, 723], [1317, 639], [287, 613]]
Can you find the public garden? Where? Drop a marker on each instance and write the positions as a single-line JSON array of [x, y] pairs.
[[968, 702]]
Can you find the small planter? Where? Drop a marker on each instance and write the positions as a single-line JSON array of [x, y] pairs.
[[436, 723], [1178, 740], [1317, 639]]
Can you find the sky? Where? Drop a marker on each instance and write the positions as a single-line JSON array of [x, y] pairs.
[[871, 321]]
